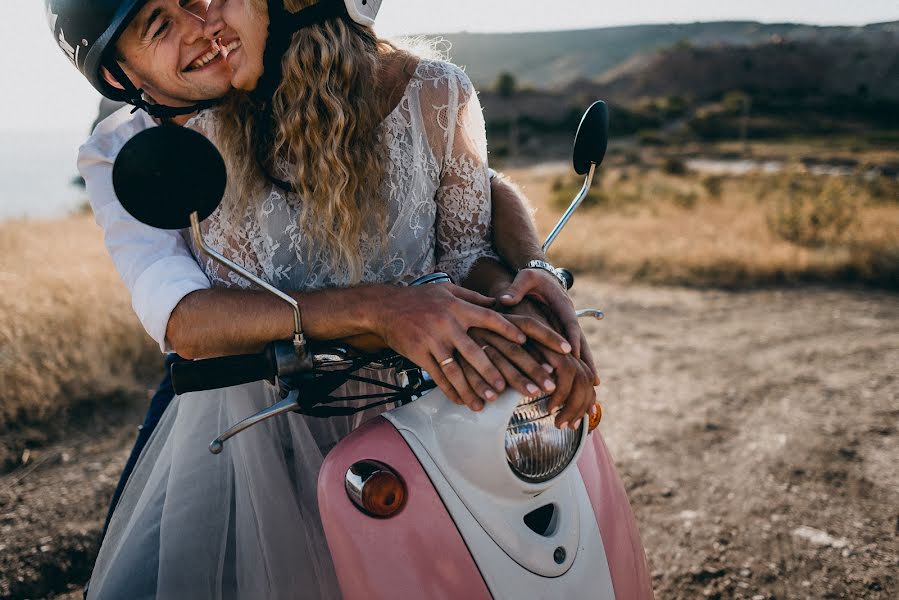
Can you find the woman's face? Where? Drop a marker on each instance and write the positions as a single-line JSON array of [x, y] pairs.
[[243, 30]]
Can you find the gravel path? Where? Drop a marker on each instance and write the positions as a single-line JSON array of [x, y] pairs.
[[757, 433]]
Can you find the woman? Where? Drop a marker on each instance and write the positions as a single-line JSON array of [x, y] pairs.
[[386, 157]]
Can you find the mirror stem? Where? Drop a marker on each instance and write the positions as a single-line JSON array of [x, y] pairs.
[[574, 206], [299, 340]]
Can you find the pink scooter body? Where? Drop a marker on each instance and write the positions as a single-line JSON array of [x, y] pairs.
[[420, 553], [417, 553]]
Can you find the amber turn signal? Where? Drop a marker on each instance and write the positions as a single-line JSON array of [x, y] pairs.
[[383, 494], [375, 488], [595, 418]]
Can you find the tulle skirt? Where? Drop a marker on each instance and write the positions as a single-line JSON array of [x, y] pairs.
[[242, 524]]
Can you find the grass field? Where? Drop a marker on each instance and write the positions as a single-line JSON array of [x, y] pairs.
[[68, 336], [660, 222]]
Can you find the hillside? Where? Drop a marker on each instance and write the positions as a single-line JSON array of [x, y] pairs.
[[851, 67], [838, 82], [554, 59]]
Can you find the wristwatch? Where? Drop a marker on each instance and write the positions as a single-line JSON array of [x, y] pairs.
[[542, 264]]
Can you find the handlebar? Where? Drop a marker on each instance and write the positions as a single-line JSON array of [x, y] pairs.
[[278, 360], [213, 373]]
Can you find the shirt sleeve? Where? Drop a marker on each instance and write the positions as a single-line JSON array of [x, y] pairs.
[[156, 265], [464, 211]]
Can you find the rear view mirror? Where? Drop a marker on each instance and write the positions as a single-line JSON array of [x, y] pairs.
[[164, 174], [592, 138]]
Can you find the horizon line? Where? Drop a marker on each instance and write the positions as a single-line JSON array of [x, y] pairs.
[[649, 24]]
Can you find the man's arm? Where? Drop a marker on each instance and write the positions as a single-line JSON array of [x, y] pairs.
[[514, 235], [157, 266], [516, 241]]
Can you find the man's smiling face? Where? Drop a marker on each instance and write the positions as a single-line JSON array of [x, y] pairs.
[[165, 53]]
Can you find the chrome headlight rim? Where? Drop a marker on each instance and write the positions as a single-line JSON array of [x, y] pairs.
[[536, 451]]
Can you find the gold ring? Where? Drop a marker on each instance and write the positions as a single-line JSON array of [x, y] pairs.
[[447, 361]]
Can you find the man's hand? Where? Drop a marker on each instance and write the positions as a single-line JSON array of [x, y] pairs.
[[543, 287], [574, 394], [429, 325], [572, 390]]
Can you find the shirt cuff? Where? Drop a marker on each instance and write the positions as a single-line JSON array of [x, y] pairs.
[[160, 288]]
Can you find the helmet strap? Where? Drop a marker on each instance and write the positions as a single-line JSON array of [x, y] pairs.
[[135, 97]]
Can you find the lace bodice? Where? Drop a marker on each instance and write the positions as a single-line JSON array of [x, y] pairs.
[[436, 188]]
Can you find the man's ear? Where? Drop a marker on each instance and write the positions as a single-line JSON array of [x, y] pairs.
[[107, 76], [136, 81]]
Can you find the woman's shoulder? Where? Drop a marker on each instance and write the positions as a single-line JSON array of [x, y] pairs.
[[443, 77], [204, 121]]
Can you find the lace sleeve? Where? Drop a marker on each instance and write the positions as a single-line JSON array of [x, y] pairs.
[[464, 211], [232, 230]]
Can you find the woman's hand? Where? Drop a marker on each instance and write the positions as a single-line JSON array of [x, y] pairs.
[[429, 325], [572, 390], [523, 368], [543, 287]]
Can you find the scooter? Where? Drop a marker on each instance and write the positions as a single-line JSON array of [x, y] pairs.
[[430, 499]]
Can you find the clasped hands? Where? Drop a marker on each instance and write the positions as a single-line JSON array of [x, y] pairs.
[[475, 346]]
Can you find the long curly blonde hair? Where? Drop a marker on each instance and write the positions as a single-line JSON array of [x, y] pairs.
[[321, 135]]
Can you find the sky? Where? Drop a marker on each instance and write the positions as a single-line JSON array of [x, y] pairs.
[[41, 90]]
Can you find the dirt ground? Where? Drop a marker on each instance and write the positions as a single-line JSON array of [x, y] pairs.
[[757, 433]]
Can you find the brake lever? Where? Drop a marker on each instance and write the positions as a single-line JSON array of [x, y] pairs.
[[289, 404]]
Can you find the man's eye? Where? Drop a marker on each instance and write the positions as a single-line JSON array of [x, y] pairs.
[[194, 7], [161, 30]]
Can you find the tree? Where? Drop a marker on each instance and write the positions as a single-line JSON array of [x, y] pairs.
[[506, 84]]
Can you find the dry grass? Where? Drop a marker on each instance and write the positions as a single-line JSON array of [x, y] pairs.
[[731, 231], [68, 336]]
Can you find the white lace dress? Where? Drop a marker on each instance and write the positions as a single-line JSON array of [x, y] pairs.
[[245, 523]]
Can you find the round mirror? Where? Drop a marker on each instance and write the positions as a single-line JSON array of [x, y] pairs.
[[164, 174], [592, 137]]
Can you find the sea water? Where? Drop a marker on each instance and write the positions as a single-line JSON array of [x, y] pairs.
[[37, 169]]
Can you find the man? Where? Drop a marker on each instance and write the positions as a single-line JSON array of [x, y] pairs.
[[156, 55]]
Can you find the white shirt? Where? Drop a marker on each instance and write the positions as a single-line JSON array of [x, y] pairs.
[[156, 265]]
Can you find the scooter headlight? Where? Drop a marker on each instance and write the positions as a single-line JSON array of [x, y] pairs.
[[536, 450]]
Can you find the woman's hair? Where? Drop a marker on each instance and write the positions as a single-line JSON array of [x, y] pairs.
[[321, 136]]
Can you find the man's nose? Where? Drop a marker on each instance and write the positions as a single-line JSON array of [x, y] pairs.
[[193, 29], [215, 25]]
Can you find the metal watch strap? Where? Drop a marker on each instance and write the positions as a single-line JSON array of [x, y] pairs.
[[545, 266]]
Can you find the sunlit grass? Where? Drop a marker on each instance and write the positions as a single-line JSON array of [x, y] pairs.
[[660, 225], [68, 335]]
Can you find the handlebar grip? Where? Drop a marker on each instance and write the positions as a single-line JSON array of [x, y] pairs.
[[568, 276], [215, 373]]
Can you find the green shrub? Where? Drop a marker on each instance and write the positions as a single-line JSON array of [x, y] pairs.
[[674, 165], [814, 214], [713, 185], [685, 199]]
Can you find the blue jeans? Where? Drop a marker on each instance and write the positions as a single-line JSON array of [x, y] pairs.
[[160, 401]]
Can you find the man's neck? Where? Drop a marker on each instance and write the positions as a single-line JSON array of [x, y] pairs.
[[182, 119], [179, 120]]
